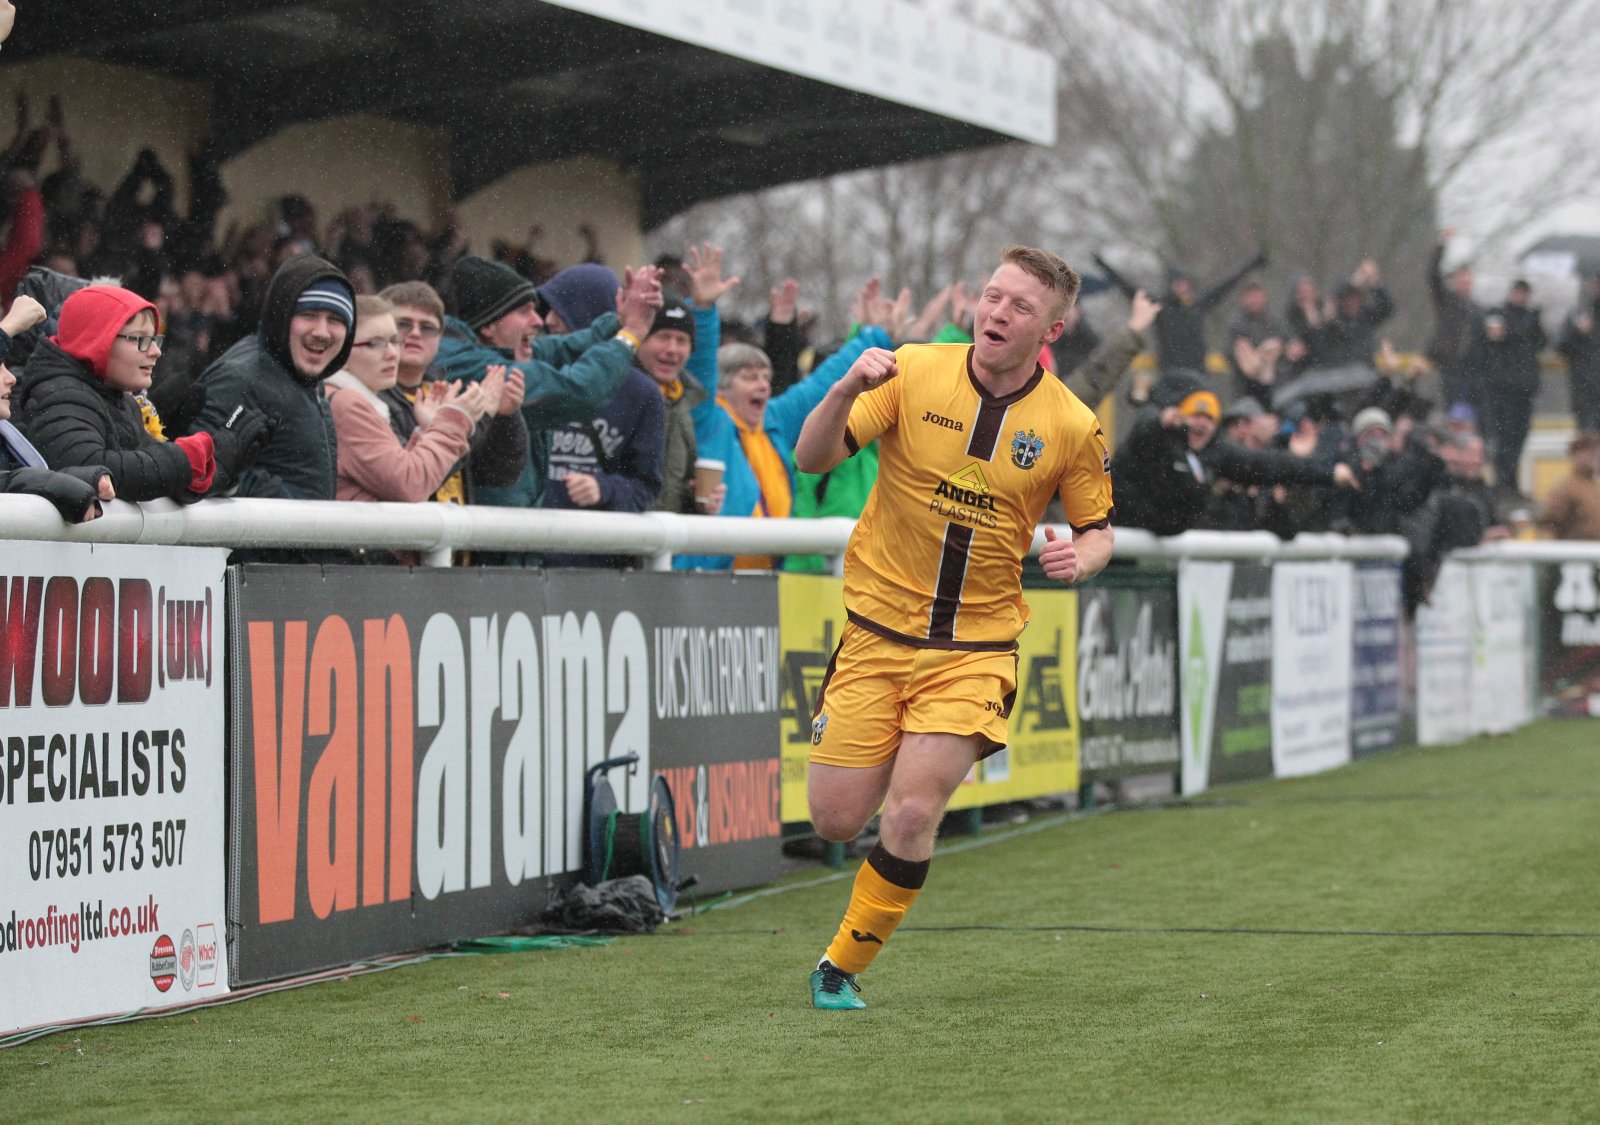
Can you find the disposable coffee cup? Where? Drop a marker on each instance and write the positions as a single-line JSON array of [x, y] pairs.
[[707, 475]]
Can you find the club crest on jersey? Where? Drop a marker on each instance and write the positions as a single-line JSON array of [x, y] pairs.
[[819, 727], [1025, 449]]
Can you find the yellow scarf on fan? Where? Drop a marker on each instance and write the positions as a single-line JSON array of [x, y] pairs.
[[772, 477], [672, 391]]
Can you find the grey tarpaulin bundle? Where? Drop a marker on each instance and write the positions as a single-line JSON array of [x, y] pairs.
[[617, 906], [630, 872]]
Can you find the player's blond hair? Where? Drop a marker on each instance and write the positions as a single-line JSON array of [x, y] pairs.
[[1047, 268]]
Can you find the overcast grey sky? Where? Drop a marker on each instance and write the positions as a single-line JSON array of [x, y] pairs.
[[1494, 255]]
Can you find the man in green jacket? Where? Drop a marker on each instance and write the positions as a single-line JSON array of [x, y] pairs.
[[567, 378]]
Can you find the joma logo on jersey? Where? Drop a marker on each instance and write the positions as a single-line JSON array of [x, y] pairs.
[[941, 420]]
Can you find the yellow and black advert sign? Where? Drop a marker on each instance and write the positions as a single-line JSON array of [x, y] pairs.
[[1042, 754]]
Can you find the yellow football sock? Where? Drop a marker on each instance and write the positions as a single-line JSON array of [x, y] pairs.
[[885, 888]]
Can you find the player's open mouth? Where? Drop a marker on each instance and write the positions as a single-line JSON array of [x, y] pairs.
[[993, 337]]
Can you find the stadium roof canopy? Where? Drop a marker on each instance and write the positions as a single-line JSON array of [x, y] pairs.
[[700, 98]]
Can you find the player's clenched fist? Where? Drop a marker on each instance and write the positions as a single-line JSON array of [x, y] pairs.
[[872, 368], [1059, 557]]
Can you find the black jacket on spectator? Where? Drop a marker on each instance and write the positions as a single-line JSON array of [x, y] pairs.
[[1392, 492], [1165, 488], [1456, 320], [1582, 353], [1511, 365], [74, 417], [1457, 515], [1256, 328], [72, 492], [1074, 348], [783, 344], [622, 448], [1180, 328], [1344, 340], [301, 460]]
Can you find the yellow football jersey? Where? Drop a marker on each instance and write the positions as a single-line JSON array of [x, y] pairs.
[[963, 479]]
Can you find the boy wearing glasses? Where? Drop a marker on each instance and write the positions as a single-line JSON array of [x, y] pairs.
[[500, 441], [374, 464], [76, 401]]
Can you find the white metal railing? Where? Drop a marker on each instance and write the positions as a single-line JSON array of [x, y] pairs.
[[1534, 550], [438, 529]]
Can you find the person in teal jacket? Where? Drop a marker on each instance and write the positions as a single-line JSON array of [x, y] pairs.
[[743, 417], [568, 378]]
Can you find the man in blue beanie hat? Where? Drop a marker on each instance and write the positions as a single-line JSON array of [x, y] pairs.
[[307, 325]]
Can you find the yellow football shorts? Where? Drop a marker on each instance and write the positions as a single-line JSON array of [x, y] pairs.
[[875, 690]]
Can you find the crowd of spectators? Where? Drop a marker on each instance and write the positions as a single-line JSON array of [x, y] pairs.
[[374, 359]]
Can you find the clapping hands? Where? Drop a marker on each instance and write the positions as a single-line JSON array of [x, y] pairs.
[[475, 399], [503, 387]]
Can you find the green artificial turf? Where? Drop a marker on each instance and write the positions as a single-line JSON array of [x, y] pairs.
[[1169, 1013]]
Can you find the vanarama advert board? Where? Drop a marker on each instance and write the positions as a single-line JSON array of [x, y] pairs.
[[410, 746]]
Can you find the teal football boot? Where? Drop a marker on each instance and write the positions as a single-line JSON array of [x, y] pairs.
[[834, 990]]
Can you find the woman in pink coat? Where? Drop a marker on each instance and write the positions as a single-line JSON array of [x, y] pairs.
[[373, 463]]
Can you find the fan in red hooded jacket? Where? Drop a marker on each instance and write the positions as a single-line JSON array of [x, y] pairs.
[[75, 402]]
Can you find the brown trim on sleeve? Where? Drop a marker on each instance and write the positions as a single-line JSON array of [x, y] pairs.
[[1097, 525], [850, 442]]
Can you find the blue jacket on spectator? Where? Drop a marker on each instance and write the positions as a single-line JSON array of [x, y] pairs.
[[718, 438], [631, 430]]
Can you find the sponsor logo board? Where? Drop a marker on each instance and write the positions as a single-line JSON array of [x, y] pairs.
[[407, 777], [111, 774]]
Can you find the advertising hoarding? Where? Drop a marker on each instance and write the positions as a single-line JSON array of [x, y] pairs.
[[111, 780], [1375, 659], [1225, 646], [1311, 666], [410, 746], [1127, 679], [1569, 639]]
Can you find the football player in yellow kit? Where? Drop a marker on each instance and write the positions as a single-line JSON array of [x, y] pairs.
[[974, 440]]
